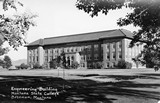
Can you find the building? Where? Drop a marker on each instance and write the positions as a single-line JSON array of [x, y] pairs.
[[107, 47]]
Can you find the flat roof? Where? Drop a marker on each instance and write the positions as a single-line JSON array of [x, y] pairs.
[[82, 37]]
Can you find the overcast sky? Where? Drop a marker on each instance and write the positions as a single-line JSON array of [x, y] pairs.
[[61, 17]]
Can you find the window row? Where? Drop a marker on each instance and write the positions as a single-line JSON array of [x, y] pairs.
[[33, 52], [113, 46], [33, 59], [113, 55]]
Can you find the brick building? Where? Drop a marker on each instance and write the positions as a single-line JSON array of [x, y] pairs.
[[107, 47]]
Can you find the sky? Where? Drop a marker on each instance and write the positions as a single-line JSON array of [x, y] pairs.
[[61, 17]]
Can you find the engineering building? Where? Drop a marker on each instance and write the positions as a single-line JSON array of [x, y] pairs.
[[107, 47]]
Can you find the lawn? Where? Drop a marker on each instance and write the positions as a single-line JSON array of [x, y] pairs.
[[82, 85]]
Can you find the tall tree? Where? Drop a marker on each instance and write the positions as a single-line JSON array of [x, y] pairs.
[[1, 63], [13, 29], [145, 14], [7, 62]]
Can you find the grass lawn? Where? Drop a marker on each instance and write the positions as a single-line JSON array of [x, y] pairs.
[[82, 86]]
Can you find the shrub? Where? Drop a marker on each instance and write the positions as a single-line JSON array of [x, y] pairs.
[[23, 66], [122, 64], [128, 65], [53, 64], [75, 65], [97, 65], [37, 66]]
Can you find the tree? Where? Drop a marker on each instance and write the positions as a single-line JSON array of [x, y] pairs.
[[75, 65], [122, 64], [59, 61], [7, 62], [1, 63], [145, 14], [64, 62], [53, 64], [13, 29]]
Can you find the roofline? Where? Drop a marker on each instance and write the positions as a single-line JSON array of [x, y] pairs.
[[81, 34], [125, 36]]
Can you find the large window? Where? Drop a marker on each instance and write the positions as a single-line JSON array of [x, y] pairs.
[[46, 58], [120, 44], [95, 56], [46, 52], [96, 47], [88, 48], [107, 64], [114, 47], [89, 56], [37, 59], [108, 55], [120, 55], [82, 57], [107, 46], [114, 55]]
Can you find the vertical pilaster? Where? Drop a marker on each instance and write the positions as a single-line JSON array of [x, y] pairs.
[[104, 55], [28, 56], [117, 49], [40, 55], [123, 49]]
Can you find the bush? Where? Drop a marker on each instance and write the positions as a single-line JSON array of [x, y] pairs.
[[122, 64], [75, 65], [37, 66], [128, 65], [97, 65], [53, 64], [23, 66]]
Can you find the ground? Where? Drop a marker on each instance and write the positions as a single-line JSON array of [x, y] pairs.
[[85, 85]]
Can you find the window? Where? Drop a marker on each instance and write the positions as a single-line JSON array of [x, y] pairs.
[[114, 55], [89, 57], [107, 46], [96, 47], [108, 55], [89, 65], [76, 49], [46, 52], [67, 49], [107, 64], [82, 57], [68, 58], [72, 57], [88, 47], [51, 58], [71, 49], [37, 58], [46, 58], [102, 48], [83, 48], [113, 64], [33, 58], [60, 50], [120, 55], [29, 52], [114, 45], [36, 51], [82, 65], [57, 51], [120, 45], [96, 56]]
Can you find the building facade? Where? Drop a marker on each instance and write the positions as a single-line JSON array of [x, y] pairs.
[[88, 49]]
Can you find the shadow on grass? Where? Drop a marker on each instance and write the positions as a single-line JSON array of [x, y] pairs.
[[83, 90], [123, 77]]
